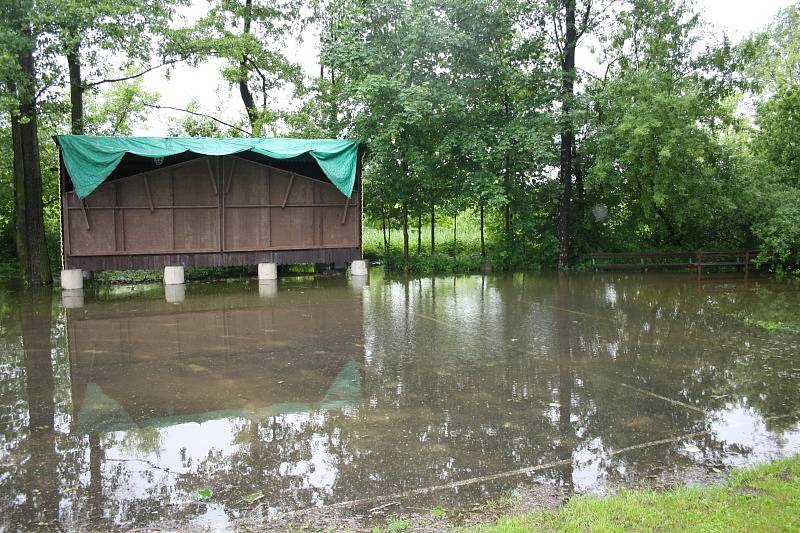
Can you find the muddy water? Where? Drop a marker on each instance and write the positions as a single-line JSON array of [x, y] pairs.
[[239, 401]]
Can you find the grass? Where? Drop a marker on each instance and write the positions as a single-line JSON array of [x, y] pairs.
[[764, 498], [395, 524], [461, 255]]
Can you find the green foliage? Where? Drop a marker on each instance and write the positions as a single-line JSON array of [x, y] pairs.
[[657, 163], [453, 116], [773, 179], [764, 498], [125, 277], [119, 109], [250, 37], [397, 524]]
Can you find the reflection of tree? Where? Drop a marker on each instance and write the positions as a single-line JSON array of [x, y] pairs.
[[42, 497], [143, 441], [96, 497], [562, 337], [274, 457]]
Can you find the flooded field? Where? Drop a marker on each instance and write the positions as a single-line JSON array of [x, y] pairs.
[[236, 403]]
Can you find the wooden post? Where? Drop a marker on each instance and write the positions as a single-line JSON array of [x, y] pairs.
[[699, 265]]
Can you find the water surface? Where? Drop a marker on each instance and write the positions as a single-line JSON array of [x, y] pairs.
[[239, 400]]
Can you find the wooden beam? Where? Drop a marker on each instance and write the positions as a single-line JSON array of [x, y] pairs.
[[85, 215], [315, 180], [149, 196], [211, 176], [230, 176], [344, 213], [288, 190]]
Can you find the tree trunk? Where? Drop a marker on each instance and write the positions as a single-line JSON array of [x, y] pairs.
[[455, 230], [419, 232], [75, 89], [30, 242], [433, 228], [567, 133], [244, 90], [507, 182], [385, 240], [483, 242], [405, 233], [42, 466]]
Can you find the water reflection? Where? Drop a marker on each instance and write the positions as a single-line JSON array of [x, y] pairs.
[[130, 410]]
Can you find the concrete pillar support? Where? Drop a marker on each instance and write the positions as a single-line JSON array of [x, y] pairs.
[[173, 275], [267, 271], [359, 268], [72, 279]]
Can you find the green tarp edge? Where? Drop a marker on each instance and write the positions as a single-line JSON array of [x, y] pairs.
[[90, 159]]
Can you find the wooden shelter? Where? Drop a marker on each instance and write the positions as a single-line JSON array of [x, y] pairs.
[[194, 209]]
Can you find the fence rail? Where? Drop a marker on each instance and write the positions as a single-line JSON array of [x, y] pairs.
[[672, 260]]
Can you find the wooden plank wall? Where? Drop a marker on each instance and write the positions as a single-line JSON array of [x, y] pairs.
[[224, 205]]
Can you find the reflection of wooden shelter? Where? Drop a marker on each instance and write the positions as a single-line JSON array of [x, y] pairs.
[[246, 359], [192, 209]]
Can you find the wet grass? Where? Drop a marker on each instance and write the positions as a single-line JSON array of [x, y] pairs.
[[765, 498], [452, 256]]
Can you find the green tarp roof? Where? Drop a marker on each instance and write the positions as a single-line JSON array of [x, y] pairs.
[[91, 159]]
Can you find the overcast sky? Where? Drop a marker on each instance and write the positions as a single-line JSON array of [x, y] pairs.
[[203, 84]]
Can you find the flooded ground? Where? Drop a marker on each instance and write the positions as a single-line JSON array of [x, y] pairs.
[[239, 405]]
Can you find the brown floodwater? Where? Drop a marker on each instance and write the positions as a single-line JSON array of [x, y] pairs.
[[236, 400]]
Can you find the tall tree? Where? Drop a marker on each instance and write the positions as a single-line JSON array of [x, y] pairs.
[[88, 31], [250, 35], [570, 23], [19, 38], [389, 58], [654, 135]]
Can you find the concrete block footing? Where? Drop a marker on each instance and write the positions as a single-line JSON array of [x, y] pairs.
[[267, 271], [175, 294], [72, 279], [359, 268], [173, 275]]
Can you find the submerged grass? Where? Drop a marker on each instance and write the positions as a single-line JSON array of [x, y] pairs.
[[764, 498]]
